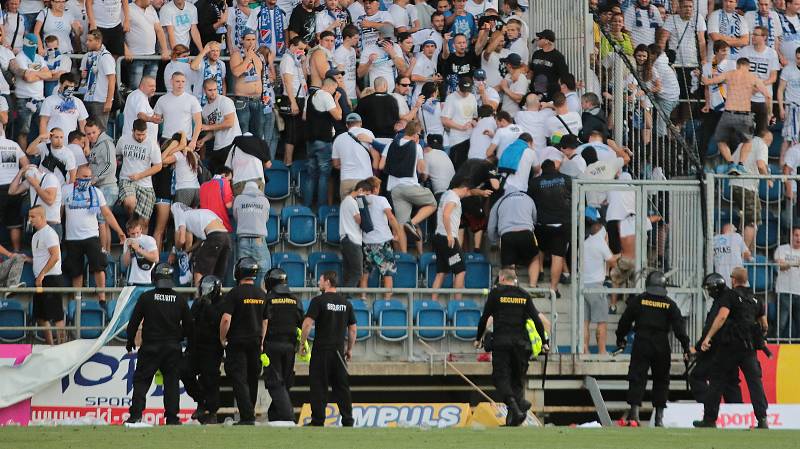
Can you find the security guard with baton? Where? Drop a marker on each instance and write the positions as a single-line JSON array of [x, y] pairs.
[[285, 317], [510, 307], [205, 355], [654, 314]]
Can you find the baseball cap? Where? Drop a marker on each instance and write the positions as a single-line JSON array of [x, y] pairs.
[[435, 141], [514, 59], [465, 83], [429, 41], [479, 75], [249, 31], [352, 117], [547, 34], [332, 73]]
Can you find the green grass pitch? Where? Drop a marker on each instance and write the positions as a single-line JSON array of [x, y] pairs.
[[196, 437]]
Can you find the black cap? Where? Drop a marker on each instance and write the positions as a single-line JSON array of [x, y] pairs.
[[332, 73], [514, 59], [656, 283], [162, 275], [547, 34], [435, 141], [245, 268], [479, 75], [465, 84]]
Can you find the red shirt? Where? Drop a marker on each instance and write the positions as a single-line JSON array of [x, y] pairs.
[[214, 195]]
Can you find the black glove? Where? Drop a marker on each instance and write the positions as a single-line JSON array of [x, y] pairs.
[[130, 346]]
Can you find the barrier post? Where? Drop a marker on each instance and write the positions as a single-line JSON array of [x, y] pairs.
[[78, 301], [410, 325]]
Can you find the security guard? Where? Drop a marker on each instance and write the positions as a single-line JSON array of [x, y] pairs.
[[167, 320], [285, 316], [735, 334], [700, 374], [241, 333], [510, 307], [205, 355], [331, 313], [654, 314]]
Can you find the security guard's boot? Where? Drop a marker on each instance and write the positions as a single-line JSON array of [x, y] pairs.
[[514, 416], [762, 424], [704, 423], [659, 418], [524, 406], [209, 418], [199, 412]]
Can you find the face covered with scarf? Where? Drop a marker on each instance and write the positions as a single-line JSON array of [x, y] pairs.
[[29, 46]]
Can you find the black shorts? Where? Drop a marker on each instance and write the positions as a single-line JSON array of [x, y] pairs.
[[211, 257], [553, 240], [10, 207], [614, 241], [518, 248], [295, 126], [448, 260], [77, 249], [114, 40], [49, 306]]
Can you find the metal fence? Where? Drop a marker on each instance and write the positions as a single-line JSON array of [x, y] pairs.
[[572, 23]]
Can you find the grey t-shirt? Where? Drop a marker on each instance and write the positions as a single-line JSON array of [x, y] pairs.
[[251, 210]]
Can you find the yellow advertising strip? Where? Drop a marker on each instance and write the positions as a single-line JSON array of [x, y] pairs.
[[396, 415], [786, 379]]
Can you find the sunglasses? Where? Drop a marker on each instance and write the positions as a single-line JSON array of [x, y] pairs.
[[405, 85]]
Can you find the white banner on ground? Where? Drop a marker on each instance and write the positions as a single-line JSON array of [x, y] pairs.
[[733, 416]]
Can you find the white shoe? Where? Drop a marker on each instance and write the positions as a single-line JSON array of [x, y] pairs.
[[138, 425]]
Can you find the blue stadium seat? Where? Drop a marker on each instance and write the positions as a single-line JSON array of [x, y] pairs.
[[278, 184], [273, 228], [322, 261], [777, 142], [329, 218], [760, 273], [774, 193], [111, 274], [767, 233], [427, 266], [38, 335], [390, 312], [429, 313], [293, 265], [464, 313], [12, 313], [27, 273], [92, 315], [406, 276], [299, 172], [300, 225], [363, 319], [479, 271]]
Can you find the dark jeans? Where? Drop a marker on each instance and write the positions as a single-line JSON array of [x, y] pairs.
[[319, 171], [352, 263], [509, 365], [243, 366], [279, 379], [327, 368], [164, 356], [788, 315], [728, 358], [650, 352], [249, 111]]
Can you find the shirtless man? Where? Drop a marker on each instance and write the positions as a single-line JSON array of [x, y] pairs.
[[322, 58], [737, 120], [246, 67]]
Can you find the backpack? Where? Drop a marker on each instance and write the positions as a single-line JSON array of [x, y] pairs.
[[509, 160], [363, 210]]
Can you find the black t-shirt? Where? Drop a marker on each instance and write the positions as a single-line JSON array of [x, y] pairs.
[[303, 23], [547, 68], [166, 317], [247, 306], [478, 171], [455, 66], [379, 112], [511, 307], [332, 314], [206, 322]]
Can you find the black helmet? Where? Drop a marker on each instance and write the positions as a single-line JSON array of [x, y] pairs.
[[656, 283], [162, 275], [209, 289], [714, 284], [246, 267], [275, 277]]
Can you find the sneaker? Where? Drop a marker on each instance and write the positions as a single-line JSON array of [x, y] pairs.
[[623, 422], [762, 424], [244, 423], [704, 423], [412, 232], [564, 279], [736, 169], [484, 357], [174, 423], [612, 309], [137, 424]]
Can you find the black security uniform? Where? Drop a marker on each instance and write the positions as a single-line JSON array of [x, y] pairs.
[[736, 344], [247, 306], [285, 314], [654, 314], [511, 307], [700, 375], [167, 320], [332, 315]]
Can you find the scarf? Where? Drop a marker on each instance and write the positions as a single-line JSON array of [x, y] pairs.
[[337, 32], [789, 30], [770, 34], [67, 101], [53, 59], [650, 17], [92, 67], [730, 27], [267, 91], [217, 76], [241, 24], [269, 31], [29, 46], [84, 196]]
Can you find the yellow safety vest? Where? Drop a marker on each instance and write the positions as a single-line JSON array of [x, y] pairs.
[[533, 335], [307, 357]]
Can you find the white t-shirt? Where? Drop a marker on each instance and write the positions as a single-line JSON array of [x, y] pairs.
[[383, 66], [792, 160], [354, 157], [683, 38], [59, 27], [185, 177], [136, 275], [323, 101], [369, 36], [556, 128], [135, 103], [790, 40], [141, 39], [478, 141], [137, 157], [180, 20], [42, 241], [572, 167], [403, 16], [717, 100], [107, 13], [791, 75], [519, 180], [81, 222], [194, 220], [6, 56], [345, 60], [10, 156], [245, 166], [549, 153], [477, 9], [491, 94], [424, 67], [14, 23], [381, 232], [762, 64], [347, 223], [23, 88], [177, 112], [183, 67], [428, 34], [77, 153], [728, 254], [214, 113], [535, 124], [595, 255], [455, 214], [290, 66], [642, 24], [758, 152], [402, 103], [461, 110], [440, 169], [503, 137], [727, 24], [410, 181], [52, 212], [200, 75], [670, 89], [520, 86], [104, 65], [788, 281], [430, 116], [62, 154], [603, 151], [62, 117]]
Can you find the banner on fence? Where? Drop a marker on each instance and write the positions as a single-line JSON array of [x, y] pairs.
[[396, 415], [734, 416]]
